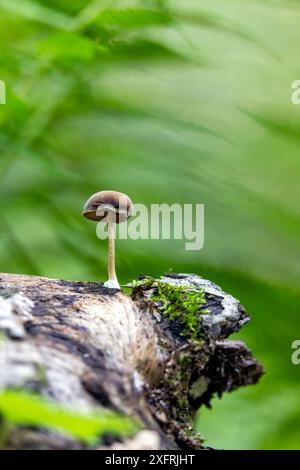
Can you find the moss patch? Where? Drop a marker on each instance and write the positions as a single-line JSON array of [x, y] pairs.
[[181, 303]]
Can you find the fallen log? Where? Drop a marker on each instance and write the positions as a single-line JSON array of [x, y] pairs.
[[156, 355]]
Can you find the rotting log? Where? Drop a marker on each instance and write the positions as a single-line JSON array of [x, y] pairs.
[[88, 347]]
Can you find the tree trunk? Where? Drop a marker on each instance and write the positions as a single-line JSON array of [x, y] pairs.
[[88, 347]]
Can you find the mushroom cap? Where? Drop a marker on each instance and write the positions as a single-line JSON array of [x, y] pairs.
[[99, 205]]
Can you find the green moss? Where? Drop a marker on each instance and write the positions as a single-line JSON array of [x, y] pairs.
[[181, 303]]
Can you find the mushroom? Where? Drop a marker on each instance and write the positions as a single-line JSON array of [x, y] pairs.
[[110, 207]]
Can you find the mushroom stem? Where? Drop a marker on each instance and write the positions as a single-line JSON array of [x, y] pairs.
[[112, 277]]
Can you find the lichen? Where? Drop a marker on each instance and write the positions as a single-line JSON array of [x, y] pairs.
[[181, 303]]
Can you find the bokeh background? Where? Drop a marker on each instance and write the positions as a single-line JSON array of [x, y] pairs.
[[168, 101]]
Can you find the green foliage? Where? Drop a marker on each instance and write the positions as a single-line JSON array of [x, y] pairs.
[[168, 101], [133, 18], [68, 47], [181, 303], [23, 409]]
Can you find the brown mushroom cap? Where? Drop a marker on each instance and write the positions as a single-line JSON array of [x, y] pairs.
[[107, 202]]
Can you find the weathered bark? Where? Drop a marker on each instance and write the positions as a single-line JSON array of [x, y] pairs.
[[86, 346]]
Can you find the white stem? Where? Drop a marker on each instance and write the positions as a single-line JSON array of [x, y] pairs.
[[112, 277]]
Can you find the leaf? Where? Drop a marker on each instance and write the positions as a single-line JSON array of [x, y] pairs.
[[277, 126], [207, 20], [133, 18], [143, 49], [20, 408], [33, 11], [69, 47]]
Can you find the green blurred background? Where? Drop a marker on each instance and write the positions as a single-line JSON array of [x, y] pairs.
[[168, 101]]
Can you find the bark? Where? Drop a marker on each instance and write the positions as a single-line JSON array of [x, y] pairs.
[[87, 347]]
